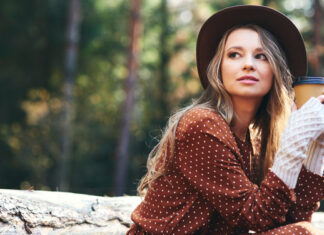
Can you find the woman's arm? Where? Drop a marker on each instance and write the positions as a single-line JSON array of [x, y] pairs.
[[208, 159], [310, 185], [304, 126]]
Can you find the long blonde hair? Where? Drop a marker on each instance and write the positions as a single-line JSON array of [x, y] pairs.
[[265, 129]]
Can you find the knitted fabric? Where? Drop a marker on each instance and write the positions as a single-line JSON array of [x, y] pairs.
[[315, 156], [304, 125]]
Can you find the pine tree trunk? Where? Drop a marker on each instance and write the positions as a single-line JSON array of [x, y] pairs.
[[133, 54], [71, 53]]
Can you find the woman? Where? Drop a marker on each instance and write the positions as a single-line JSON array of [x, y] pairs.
[[210, 173]]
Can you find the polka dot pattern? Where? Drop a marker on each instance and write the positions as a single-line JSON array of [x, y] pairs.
[[302, 228], [211, 186], [309, 191]]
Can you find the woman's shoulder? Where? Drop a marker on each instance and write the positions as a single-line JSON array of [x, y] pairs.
[[202, 115], [203, 120]]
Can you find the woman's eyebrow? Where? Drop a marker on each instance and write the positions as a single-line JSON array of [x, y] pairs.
[[259, 49], [235, 47]]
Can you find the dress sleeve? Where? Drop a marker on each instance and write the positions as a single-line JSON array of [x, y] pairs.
[[208, 160], [309, 191]]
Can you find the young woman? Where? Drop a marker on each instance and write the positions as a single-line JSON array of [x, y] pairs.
[[221, 166]]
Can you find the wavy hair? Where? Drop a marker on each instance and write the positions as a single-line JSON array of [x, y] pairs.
[[266, 127]]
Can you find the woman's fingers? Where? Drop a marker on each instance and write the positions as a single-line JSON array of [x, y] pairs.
[[321, 98], [293, 107]]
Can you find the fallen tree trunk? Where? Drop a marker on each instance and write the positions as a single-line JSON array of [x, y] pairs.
[[42, 212]]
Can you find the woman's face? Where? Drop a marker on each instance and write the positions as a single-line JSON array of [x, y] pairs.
[[246, 71]]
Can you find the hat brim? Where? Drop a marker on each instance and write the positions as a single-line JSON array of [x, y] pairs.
[[287, 34]]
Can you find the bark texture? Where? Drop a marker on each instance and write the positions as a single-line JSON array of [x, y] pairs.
[[42, 212]]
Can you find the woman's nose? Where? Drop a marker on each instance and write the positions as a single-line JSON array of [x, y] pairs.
[[248, 64]]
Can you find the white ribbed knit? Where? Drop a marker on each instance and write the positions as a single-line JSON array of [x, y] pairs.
[[304, 126], [315, 156]]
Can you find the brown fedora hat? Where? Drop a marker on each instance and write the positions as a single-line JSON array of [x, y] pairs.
[[272, 20]]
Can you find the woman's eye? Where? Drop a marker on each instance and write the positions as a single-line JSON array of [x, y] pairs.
[[261, 56], [233, 55]]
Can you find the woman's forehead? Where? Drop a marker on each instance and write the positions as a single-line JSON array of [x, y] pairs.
[[243, 37]]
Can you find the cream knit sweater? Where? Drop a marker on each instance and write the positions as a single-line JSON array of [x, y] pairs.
[[315, 156], [301, 142]]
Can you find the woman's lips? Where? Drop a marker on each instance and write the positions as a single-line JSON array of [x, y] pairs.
[[248, 79]]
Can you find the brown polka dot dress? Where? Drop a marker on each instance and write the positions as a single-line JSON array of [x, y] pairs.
[[211, 188]]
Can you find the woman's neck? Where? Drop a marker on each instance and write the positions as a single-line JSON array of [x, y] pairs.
[[244, 112]]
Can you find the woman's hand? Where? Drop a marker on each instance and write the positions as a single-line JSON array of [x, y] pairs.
[[321, 98], [294, 107]]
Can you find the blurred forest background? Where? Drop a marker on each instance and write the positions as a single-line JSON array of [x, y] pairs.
[[87, 86]]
